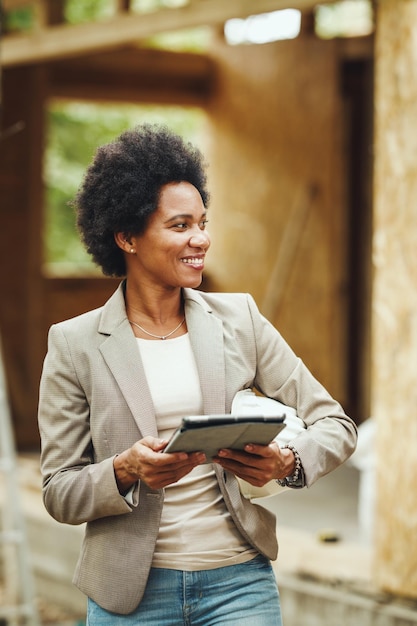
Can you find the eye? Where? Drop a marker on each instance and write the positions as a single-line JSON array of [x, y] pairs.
[[180, 226], [203, 224]]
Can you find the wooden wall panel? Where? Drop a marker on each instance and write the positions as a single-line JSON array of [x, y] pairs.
[[276, 132], [20, 210], [68, 297], [394, 353]]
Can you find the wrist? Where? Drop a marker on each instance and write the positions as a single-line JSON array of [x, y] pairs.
[[289, 466], [124, 475], [295, 477]]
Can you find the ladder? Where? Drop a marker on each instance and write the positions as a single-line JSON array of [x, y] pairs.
[[18, 605]]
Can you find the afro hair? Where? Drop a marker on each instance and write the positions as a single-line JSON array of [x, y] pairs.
[[122, 185]]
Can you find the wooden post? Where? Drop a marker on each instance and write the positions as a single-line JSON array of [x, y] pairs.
[[21, 285], [394, 323]]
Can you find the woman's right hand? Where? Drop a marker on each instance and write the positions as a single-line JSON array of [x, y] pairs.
[[144, 461]]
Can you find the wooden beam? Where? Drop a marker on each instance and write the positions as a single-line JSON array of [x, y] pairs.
[[135, 75], [64, 41]]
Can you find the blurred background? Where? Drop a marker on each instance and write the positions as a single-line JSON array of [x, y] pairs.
[[306, 114]]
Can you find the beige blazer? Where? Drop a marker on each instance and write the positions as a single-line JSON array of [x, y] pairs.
[[94, 403]]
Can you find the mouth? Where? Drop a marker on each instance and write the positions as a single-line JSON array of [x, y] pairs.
[[194, 261]]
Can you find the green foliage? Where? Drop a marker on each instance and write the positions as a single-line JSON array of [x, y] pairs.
[[87, 10], [18, 19], [74, 132], [90, 10], [191, 40], [145, 6]]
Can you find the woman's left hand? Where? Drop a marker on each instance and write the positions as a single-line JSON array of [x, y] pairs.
[[257, 464]]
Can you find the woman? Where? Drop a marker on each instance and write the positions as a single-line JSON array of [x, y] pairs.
[[169, 538]]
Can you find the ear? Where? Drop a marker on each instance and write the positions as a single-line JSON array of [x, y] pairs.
[[124, 242]]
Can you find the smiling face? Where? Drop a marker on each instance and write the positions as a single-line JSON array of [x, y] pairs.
[[171, 251]]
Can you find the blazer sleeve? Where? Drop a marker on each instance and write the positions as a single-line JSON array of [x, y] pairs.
[[76, 488], [331, 436]]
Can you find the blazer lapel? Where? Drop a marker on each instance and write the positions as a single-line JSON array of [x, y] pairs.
[[122, 356], [206, 336]]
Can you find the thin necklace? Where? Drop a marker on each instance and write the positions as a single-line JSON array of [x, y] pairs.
[[159, 336]]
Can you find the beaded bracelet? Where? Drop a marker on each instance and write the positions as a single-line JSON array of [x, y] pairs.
[[298, 469]]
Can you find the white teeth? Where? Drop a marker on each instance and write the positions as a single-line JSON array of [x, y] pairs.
[[193, 261]]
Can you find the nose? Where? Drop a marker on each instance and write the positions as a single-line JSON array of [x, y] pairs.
[[200, 240]]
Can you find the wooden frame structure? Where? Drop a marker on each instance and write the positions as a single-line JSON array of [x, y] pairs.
[[106, 61], [101, 61], [51, 39]]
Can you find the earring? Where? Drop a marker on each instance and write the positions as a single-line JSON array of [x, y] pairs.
[[132, 250]]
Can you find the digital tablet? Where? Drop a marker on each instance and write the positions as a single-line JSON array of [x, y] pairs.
[[210, 433]]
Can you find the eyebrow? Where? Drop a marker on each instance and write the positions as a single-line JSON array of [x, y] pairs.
[[183, 216]]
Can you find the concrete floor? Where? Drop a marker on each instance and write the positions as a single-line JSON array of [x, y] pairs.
[[319, 532], [331, 504], [330, 583]]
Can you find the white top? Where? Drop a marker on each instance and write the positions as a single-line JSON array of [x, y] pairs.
[[196, 530]]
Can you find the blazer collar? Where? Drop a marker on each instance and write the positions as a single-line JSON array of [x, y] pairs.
[[123, 357], [114, 311]]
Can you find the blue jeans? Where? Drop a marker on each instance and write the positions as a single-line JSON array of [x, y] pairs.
[[244, 595]]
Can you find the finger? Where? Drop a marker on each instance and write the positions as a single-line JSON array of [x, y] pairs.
[[149, 451], [240, 456], [235, 465], [153, 443], [182, 459], [244, 465], [261, 450], [160, 477], [254, 475]]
